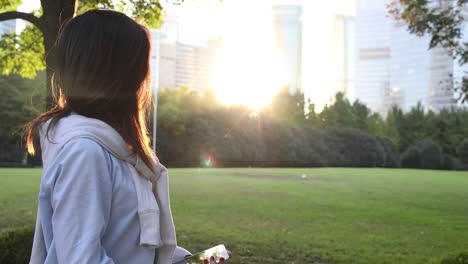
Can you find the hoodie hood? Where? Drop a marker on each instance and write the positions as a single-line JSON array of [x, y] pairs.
[[77, 126]]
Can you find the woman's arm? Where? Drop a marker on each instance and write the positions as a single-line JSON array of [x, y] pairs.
[[81, 202]]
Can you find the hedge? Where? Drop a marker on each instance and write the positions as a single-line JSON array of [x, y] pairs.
[[461, 258], [424, 154], [271, 143], [462, 151], [15, 245]]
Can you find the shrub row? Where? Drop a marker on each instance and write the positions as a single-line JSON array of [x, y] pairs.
[[461, 258], [15, 248], [15, 245], [426, 154], [270, 143]]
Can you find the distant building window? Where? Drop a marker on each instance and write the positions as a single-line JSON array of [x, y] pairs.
[[374, 54]]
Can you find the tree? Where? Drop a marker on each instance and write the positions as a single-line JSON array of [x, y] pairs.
[[442, 21], [463, 151], [287, 107], [18, 107], [194, 129], [337, 115], [413, 127], [391, 129], [311, 115], [360, 115], [343, 114], [39, 37]]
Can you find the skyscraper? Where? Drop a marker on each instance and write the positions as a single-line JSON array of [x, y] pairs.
[[396, 67], [176, 64], [373, 29], [192, 67], [185, 65], [154, 59], [287, 27], [343, 53]]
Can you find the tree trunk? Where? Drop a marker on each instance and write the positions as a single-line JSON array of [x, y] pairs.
[[55, 14], [51, 63]]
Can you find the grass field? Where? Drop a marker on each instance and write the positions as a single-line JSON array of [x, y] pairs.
[[277, 216]]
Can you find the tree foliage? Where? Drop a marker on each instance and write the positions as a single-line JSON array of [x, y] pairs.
[[462, 151], [196, 130], [148, 12], [6, 5], [25, 54], [21, 101], [28, 45], [22, 54], [287, 107]]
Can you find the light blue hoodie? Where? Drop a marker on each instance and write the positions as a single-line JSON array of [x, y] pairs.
[[90, 206]]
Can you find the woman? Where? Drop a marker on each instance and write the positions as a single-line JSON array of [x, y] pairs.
[[103, 196]]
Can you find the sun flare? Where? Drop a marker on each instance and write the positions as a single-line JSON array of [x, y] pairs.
[[246, 70], [248, 78]]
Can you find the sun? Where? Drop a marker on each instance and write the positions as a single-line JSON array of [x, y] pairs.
[[247, 77], [246, 70]]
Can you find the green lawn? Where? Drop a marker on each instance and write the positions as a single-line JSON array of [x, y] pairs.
[[276, 216]]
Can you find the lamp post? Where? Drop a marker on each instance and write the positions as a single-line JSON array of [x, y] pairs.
[[155, 81], [155, 118]]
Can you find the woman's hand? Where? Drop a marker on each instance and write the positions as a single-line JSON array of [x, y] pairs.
[[213, 260]]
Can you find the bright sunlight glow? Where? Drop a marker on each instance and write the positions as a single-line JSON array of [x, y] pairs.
[[246, 75], [246, 70]]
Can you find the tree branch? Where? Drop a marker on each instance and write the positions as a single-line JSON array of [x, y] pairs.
[[24, 16]]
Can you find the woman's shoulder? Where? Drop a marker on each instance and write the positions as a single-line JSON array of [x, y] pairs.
[[86, 146], [81, 152], [80, 161]]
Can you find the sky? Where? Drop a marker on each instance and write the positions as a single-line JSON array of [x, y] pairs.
[[245, 26]]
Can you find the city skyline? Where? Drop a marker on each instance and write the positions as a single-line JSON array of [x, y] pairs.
[[287, 43], [246, 62], [318, 77], [211, 19]]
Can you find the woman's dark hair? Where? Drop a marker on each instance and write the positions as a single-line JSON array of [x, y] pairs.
[[102, 72]]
